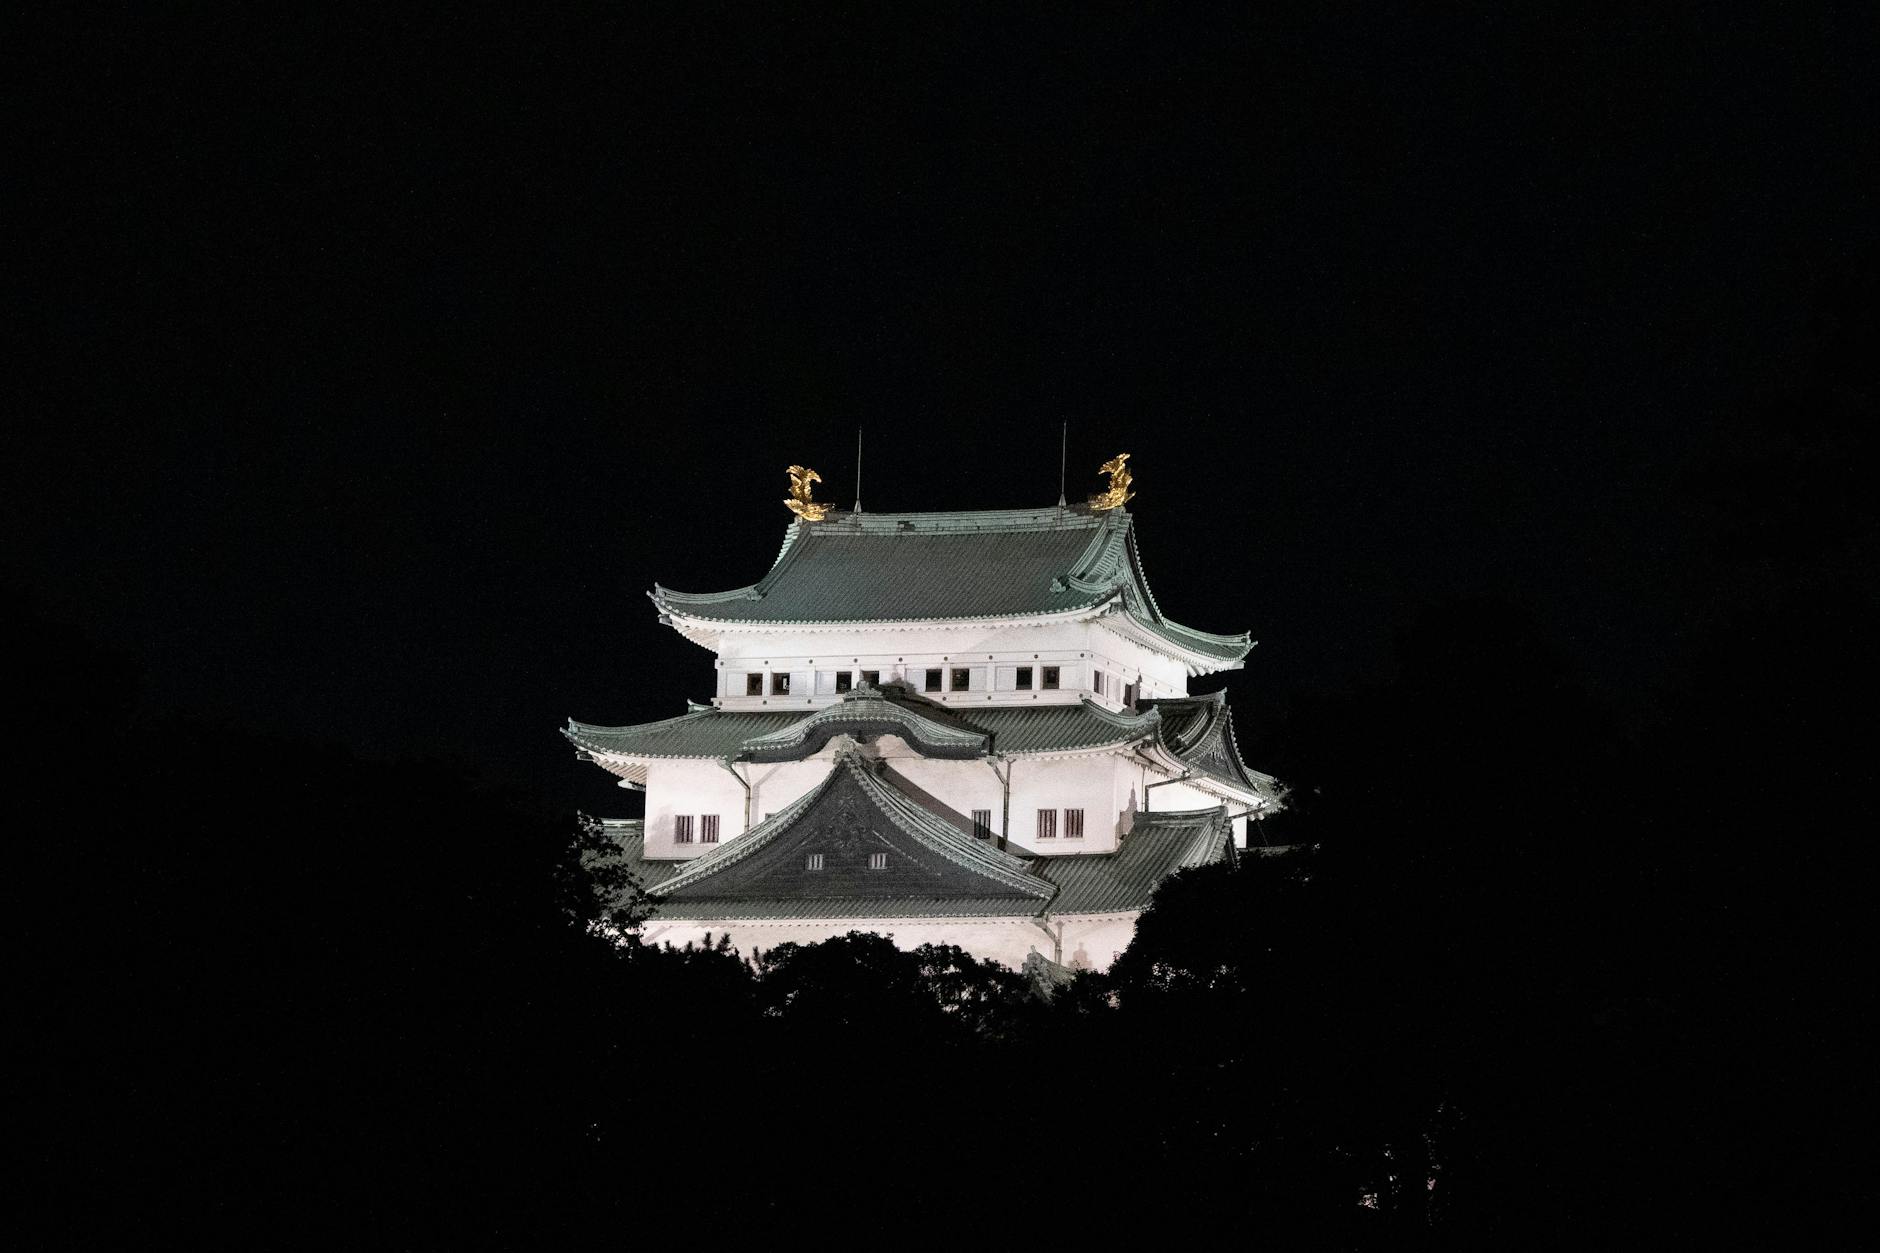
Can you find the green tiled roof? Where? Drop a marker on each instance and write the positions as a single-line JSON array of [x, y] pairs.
[[860, 907], [629, 834], [938, 729], [894, 567], [897, 567], [851, 815], [1156, 847], [1200, 731], [706, 733], [1092, 883], [865, 712], [1059, 728]]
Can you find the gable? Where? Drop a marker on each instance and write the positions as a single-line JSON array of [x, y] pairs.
[[850, 819]]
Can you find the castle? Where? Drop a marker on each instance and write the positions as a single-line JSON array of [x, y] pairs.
[[967, 728]]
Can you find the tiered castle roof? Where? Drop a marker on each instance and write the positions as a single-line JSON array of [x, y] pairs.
[[866, 842], [1191, 733], [933, 568], [934, 870]]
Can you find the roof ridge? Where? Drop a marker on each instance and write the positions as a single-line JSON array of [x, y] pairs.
[[1151, 816], [906, 814], [691, 715], [1121, 718], [1032, 518], [856, 706]]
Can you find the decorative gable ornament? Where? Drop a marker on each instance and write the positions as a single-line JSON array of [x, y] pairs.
[[800, 504], [1117, 494]]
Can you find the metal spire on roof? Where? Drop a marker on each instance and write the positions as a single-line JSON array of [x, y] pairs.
[[1064, 443]]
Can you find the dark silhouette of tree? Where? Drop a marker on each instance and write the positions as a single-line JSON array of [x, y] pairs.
[[595, 883]]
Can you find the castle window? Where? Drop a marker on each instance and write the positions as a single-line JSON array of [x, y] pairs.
[[682, 829], [982, 824], [814, 862], [877, 861], [842, 680], [1024, 678], [708, 829], [1050, 679], [753, 685], [1073, 824], [960, 679], [871, 678], [780, 683], [933, 680], [1047, 824], [1096, 682]]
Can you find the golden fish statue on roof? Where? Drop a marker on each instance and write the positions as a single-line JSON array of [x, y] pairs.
[[800, 503], [1118, 490]]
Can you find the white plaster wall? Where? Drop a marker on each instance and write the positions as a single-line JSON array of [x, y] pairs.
[[1095, 941], [1105, 786], [1159, 676], [689, 787], [777, 785], [1099, 785], [1006, 941], [812, 657], [952, 789]]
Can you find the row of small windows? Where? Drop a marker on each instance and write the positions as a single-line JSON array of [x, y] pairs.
[[876, 861], [780, 681], [958, 679], [704, 827]]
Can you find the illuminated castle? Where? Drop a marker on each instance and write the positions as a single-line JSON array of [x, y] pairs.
[[965, 728]]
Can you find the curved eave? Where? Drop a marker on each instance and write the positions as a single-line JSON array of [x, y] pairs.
[[687, 622], [1163, 759], [863, 717], [1221, 652], [631, 772], [1264, 784], [1203, 652], [1130, 730], [586, 737]]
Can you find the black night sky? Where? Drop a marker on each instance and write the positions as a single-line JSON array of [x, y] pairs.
[[378, 362]]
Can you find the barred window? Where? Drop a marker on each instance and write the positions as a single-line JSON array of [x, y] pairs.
[[933, 680], [1050, 679], [960, 679], [780, 683], [877, 861], [982, 824], [1024, 678], [871, 678], [682, 829], [753, 685], [1047, 824], [843, 680], [1073, 824], [708, 829], [1096, 683], [815, 862]]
